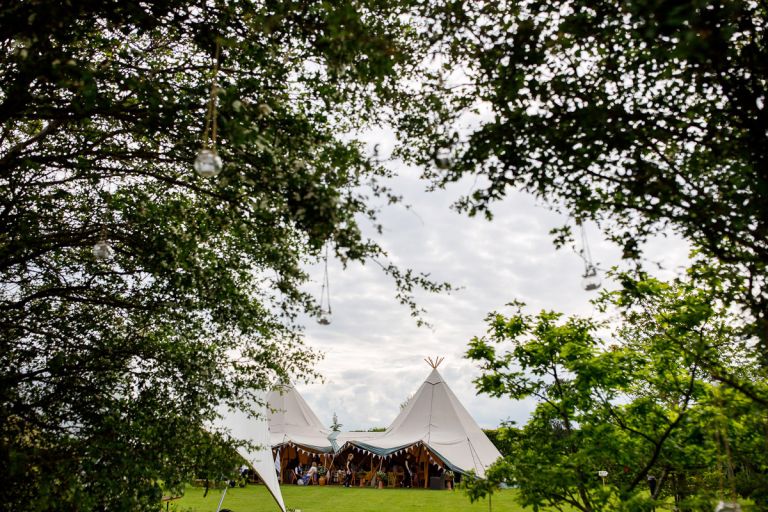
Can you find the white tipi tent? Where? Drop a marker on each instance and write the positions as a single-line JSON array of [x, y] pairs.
[[435, 419], [292, 422]]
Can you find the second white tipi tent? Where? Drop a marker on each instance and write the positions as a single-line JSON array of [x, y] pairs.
[[435, 420], [296, 433], [293, 423]]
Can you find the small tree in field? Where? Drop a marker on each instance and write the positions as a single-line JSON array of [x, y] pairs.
[[641, 405], [335, 425]]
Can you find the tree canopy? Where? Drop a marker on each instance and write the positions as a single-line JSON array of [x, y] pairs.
[[114, 362], [643, 116], [646, 118], [137, 297]]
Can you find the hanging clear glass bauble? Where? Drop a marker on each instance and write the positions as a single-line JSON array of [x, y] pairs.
[[443, 158], [208, 164], [264, 110], [324, 320], [590, 281], [728, 506], [102, 250]]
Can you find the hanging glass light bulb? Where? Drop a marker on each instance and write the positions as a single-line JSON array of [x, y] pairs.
[[590, 280], [324, 320], [728, 506], [443, 158], [264, 110], [102, 250], [208, 164]]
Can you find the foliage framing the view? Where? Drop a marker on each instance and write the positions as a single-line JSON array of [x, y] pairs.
[[111, 370], [639, 403], [643, 116]]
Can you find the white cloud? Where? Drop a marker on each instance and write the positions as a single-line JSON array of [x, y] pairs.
[[374, 351]]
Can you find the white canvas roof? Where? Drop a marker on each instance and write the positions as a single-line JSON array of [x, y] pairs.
[[435, 418], [292, 421], [365, 437], [256, 431]]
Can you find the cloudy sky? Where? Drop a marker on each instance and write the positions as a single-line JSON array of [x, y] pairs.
[[373, 349]]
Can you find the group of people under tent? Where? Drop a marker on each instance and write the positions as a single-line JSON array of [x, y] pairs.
[[303, 475], [308, 474]]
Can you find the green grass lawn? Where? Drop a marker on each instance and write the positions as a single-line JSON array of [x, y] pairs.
[[256, 498], [340, 499]]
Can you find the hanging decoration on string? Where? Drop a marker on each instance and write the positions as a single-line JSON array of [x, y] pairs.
[[444, 154], [590, 280], [444, 158], [208, 163], [325, 294], [101, 249]]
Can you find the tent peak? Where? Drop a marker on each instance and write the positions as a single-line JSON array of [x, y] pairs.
[[434, 363]]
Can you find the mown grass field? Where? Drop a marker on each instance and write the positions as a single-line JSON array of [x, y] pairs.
[[340, 499]]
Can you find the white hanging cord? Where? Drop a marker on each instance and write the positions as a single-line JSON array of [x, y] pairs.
[[591, 280], [585, 246], [327, 283], [101, 249], [210, 121], [325, 293], [584, 253]]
